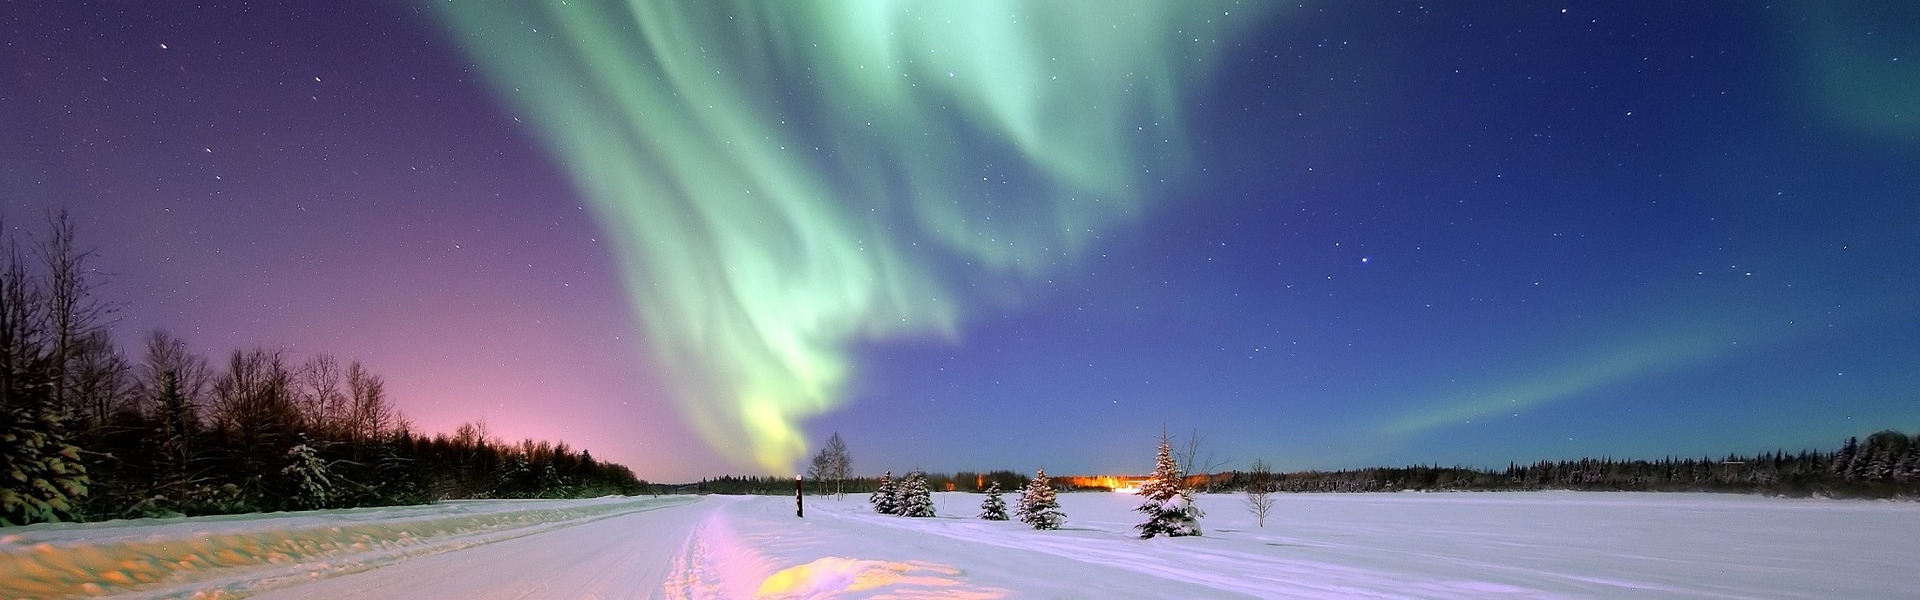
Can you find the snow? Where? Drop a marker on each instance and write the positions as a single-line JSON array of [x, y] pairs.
[[1409, 545]]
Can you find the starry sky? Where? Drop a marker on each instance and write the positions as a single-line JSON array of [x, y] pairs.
[[697, 238]]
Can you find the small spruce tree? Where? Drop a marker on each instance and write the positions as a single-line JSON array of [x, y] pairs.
[[311, 476], [1038, 507], [993, 509], [1025, 503], [1168, 506], [883, 495], [917, 499], [900, 496]]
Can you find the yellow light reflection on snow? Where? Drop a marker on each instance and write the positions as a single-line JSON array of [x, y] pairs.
[[833, 574]]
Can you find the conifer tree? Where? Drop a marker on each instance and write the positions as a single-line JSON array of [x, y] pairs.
[[1883, 452], [1909, 466], [993, 509], [41, 476], [175, 422], [393, 468], [1844, 459], [1038, 507], [1168, 505], [900, 495], [917, 500], [883, 496], [1025, 504], [311, 476]]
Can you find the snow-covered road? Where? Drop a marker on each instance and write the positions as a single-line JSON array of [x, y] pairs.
[[1467, 545], [627, 555]]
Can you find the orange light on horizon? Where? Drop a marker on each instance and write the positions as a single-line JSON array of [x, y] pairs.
[[1126, 484]]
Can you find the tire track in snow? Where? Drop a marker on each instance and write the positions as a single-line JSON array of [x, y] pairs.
[[691, 576], [715, 562]]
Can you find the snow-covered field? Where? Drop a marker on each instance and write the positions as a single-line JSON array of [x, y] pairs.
[[1454, 545]]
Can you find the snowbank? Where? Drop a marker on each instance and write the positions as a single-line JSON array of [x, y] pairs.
[[214, 553]]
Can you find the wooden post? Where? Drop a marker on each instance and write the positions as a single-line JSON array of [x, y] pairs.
[[799, 499]]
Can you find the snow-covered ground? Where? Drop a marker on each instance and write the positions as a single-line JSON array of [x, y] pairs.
[[1454, 545]]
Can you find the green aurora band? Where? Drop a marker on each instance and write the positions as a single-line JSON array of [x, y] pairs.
[[1644, 357], [786, 179]]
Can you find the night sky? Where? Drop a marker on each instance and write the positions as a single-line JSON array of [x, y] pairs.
[[697, 238]]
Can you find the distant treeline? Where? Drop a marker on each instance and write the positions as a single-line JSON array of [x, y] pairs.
[[87, 433], [964, 481], [1885, 465]]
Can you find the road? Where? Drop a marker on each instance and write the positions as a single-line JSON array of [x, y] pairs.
[[628, 555]]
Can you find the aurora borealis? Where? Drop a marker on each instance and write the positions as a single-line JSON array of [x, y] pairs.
[[775, 199], [697, 238]]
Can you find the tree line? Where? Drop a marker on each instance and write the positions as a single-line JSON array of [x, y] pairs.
[[963, 481], [88, 432], [1884, 465]]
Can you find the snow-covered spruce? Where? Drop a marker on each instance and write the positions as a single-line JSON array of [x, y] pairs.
[[916, 499], [1168, 506], [994, 508], [310, 476], [900, 496], [41, 476], [882, 498], [1038, 507]]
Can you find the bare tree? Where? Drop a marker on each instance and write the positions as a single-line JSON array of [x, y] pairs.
[[839, 464], [251, 400], [820, 469], [371, 414], [253, 411], [473, 447], [170, 363], [22, 331], [166, 352], [1196, 458], [71, 311], [832, 463], [1260, 490], [100, 382], [320, 398]]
